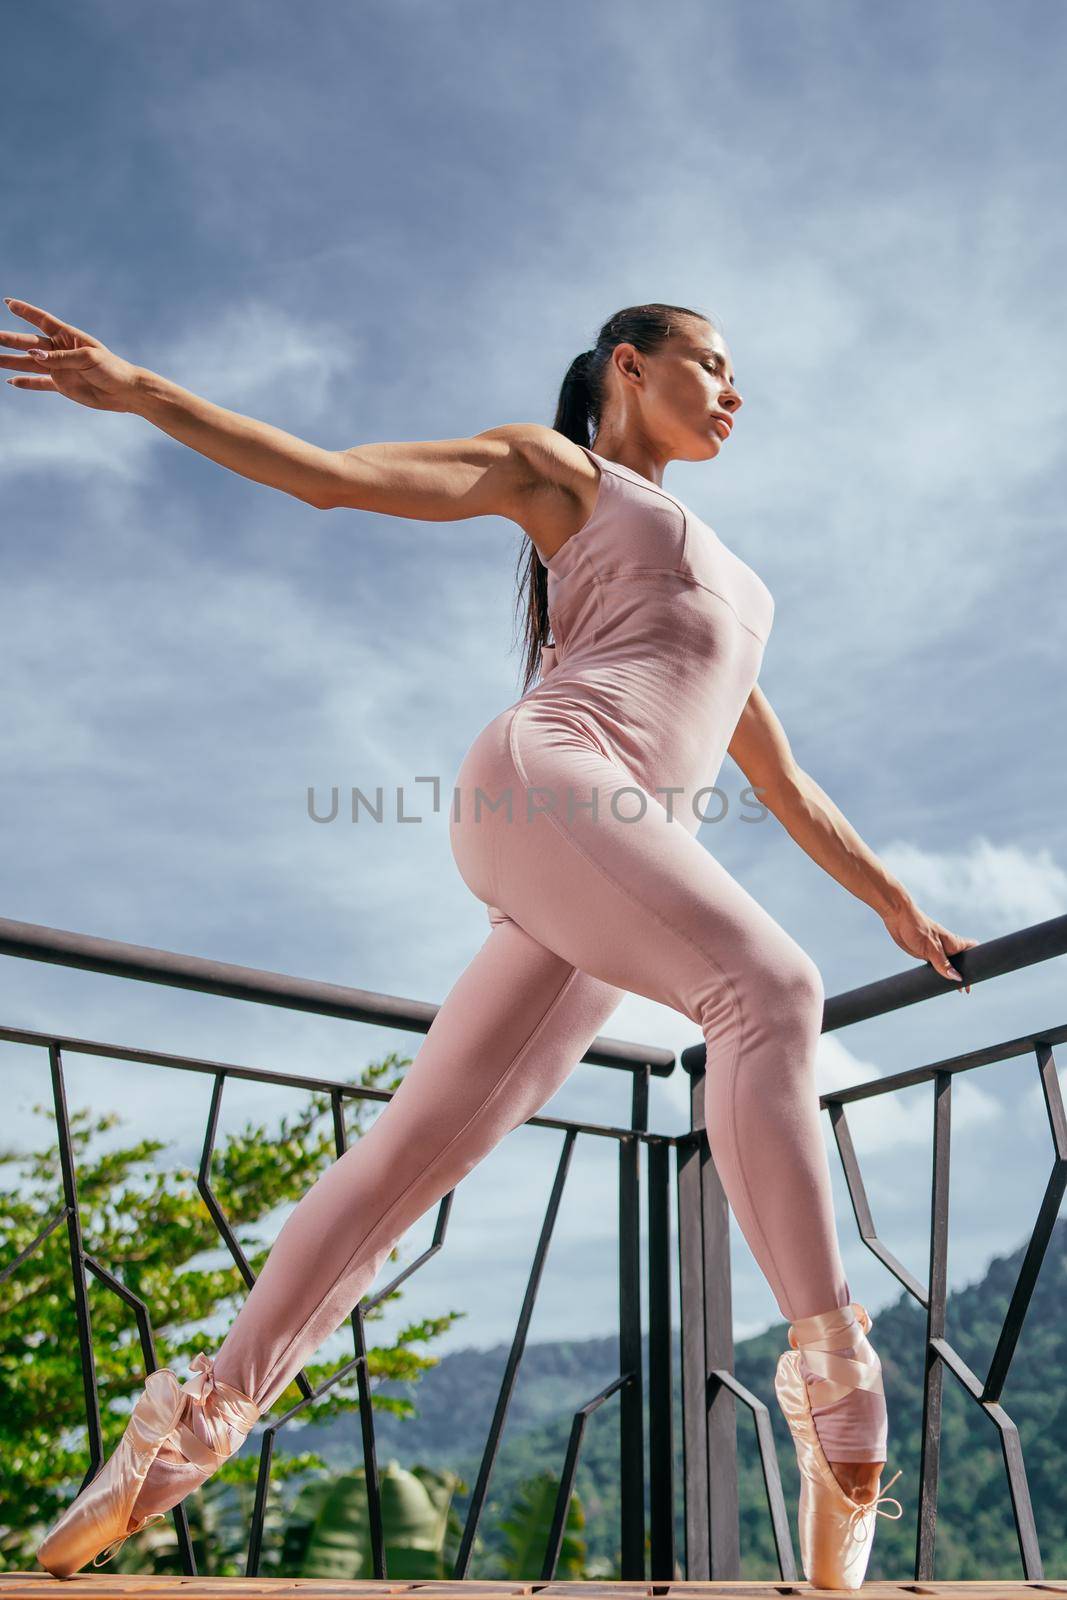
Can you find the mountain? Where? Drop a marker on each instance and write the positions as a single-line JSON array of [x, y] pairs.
[[975, 1531]]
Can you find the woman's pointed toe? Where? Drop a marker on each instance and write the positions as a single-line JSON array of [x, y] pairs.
[[98, 1518], [102, 1516], [836, 1532]]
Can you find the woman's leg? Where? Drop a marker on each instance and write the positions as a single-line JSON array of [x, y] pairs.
[[511, 1030], [593, 905], [642, 905]]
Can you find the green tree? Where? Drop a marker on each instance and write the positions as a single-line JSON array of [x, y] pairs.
[[146, 1222], [529, 1524], [327, 1534]]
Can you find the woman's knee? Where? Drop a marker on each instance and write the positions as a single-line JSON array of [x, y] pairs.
[[789, 985], [779, 993], [807, 982]]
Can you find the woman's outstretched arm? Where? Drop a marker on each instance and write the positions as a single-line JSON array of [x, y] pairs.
[[435, 480], [762, 750]]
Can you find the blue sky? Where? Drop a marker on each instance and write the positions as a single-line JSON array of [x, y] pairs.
[[402, 221]]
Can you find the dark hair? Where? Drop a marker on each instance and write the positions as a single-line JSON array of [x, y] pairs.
[[578, 410]]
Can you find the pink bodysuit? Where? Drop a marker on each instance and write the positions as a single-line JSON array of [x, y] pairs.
[[574, 819]]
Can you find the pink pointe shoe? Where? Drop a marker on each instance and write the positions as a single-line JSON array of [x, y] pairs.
[[98, 1518], [836, 1532]]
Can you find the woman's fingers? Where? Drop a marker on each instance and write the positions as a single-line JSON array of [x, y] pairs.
[[950, 944], [921, 936], [47, 323], [934, 951], [50, 360], [90, 374], [69, 360], [943, 964], [26, 363], [32, 383], [24, 341], [964, 944]]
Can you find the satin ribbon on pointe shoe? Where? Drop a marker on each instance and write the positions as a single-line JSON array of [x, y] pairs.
[[231, 1409], [231, 1412], [98, 1514], [838, 1375], [861, 1518], [154, 1516], [836, 1532]]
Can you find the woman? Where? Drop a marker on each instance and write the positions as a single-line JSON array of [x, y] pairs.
[[565, 822]]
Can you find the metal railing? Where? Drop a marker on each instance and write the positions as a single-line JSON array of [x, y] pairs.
[[54, 945], [712, 1522], [709, 1388]]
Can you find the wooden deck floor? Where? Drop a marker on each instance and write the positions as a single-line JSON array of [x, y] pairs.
[[32, 1585]]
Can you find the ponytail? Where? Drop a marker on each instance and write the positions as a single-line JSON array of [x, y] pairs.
[[577, 412], [576, 406]]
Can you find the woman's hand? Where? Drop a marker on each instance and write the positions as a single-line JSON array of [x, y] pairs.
[[920, 936], [68, 361]]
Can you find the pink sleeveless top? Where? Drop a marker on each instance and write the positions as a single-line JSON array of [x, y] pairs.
[[659, 635]]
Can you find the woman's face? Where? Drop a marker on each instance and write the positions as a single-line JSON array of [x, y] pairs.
[[683, 394]]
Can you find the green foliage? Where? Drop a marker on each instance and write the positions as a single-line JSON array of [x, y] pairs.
[[526, 1531], [975, 1536], [146, 1223], [328, 1530], [220, 1519], [975, 1533], [150, 1227]]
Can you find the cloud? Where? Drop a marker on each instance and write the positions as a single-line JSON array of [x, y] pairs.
[[48, 434], [900, 1119], [245, 355], [1004, 884], [370, 226], [254, 349]]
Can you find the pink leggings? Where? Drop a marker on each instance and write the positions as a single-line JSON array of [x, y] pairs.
[[593, 906]]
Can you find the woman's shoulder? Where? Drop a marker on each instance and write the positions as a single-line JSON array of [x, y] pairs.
[[561, 481], [553, 460]]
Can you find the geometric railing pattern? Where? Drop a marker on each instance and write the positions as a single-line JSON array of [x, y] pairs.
[[712, 1541], [129, 961], [709, 1388]]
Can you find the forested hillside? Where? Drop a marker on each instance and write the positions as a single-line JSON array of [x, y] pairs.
[[975, 1537]]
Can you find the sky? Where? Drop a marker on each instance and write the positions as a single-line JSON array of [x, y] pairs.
[[402, 221]]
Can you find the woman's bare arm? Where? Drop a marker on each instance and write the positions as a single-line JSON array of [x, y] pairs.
[[441, 480], [761, 749], [491, 473]]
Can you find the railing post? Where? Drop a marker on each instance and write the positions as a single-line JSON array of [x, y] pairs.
[[631, 1395], [82, 1313], [712, 1508], [710, 1476], [691, 1291], [937, 1294], [660, 1365]]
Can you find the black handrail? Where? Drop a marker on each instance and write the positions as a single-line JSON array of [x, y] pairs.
[[58, 946], [1042, 941], [709, 1387], [33, 942], [712, 1525]]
